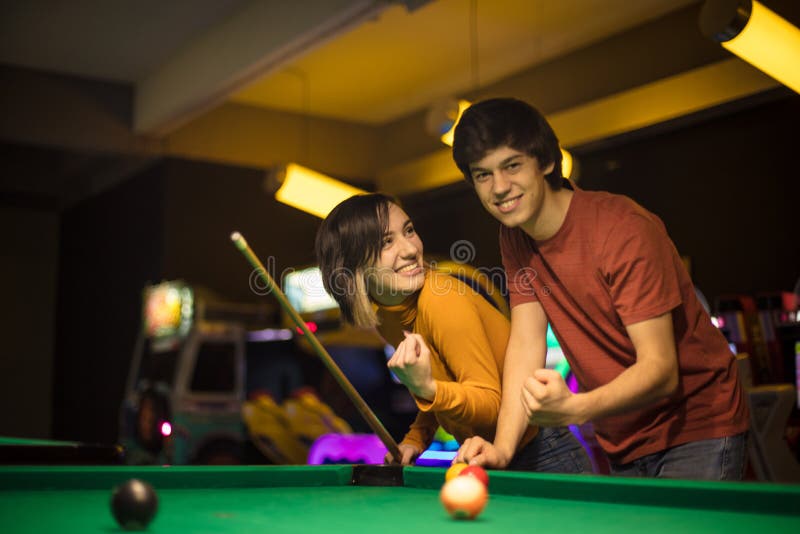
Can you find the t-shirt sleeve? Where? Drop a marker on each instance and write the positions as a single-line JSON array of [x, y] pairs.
[[639, 266], [519, 275]]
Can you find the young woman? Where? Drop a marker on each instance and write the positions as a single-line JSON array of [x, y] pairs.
[[450, 341]]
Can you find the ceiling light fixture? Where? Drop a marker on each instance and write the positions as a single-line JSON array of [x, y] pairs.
[[304, 188], [757, 35], [308, 190]]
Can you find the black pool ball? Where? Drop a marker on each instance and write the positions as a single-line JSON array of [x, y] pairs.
[[134, 504]]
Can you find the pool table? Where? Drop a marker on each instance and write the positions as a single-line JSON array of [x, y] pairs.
[[30, 451], [385, 499]]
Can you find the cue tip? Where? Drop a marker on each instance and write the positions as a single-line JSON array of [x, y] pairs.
[[238, 239]]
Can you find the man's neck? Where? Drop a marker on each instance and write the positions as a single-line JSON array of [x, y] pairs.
[[551, 217]]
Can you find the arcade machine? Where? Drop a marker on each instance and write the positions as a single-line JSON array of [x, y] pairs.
[[757, 329], [188, 376]]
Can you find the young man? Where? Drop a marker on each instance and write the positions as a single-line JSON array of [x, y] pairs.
[[657, 379]]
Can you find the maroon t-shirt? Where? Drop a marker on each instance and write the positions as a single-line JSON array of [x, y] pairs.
[[612, 264]]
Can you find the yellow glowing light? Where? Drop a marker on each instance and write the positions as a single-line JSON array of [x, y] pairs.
[[311, 191], [771, 44], [755, 34], [566, 163], [447, 138]]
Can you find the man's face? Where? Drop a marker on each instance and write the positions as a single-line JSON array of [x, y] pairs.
[[510, 185]]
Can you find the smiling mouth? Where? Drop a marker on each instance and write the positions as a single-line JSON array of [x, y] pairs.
[[411, 268], [507, 205]]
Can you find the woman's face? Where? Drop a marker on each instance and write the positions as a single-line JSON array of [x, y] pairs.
[[398, 271]]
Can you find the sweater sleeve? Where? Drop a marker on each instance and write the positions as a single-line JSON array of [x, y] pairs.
[[455, 328], [420, 433]]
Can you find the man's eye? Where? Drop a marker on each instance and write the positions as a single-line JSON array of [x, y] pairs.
[[481, 177], [410, 230]]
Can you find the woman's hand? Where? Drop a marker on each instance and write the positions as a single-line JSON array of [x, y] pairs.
[[411, 363], [408, 453], [478, 451]]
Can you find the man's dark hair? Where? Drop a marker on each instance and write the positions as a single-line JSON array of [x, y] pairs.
[[498, 122]]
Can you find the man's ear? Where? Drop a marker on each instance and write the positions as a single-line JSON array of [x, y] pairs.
[[549, 168]]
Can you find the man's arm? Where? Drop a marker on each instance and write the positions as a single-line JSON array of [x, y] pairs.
[[654, 376], [526, 351]]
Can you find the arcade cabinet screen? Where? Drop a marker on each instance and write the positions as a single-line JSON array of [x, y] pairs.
[[305, 291], [168, 309], [555, 355]]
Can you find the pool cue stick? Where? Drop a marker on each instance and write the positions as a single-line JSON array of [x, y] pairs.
[[362, 407]]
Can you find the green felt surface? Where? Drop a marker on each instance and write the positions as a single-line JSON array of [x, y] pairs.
[[272, 499], [10, 440]]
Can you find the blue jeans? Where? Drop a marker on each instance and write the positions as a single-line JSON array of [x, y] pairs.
[[708, 459], [553, 450]]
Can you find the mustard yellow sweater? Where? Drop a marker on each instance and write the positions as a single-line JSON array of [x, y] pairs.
[[467, 337]]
